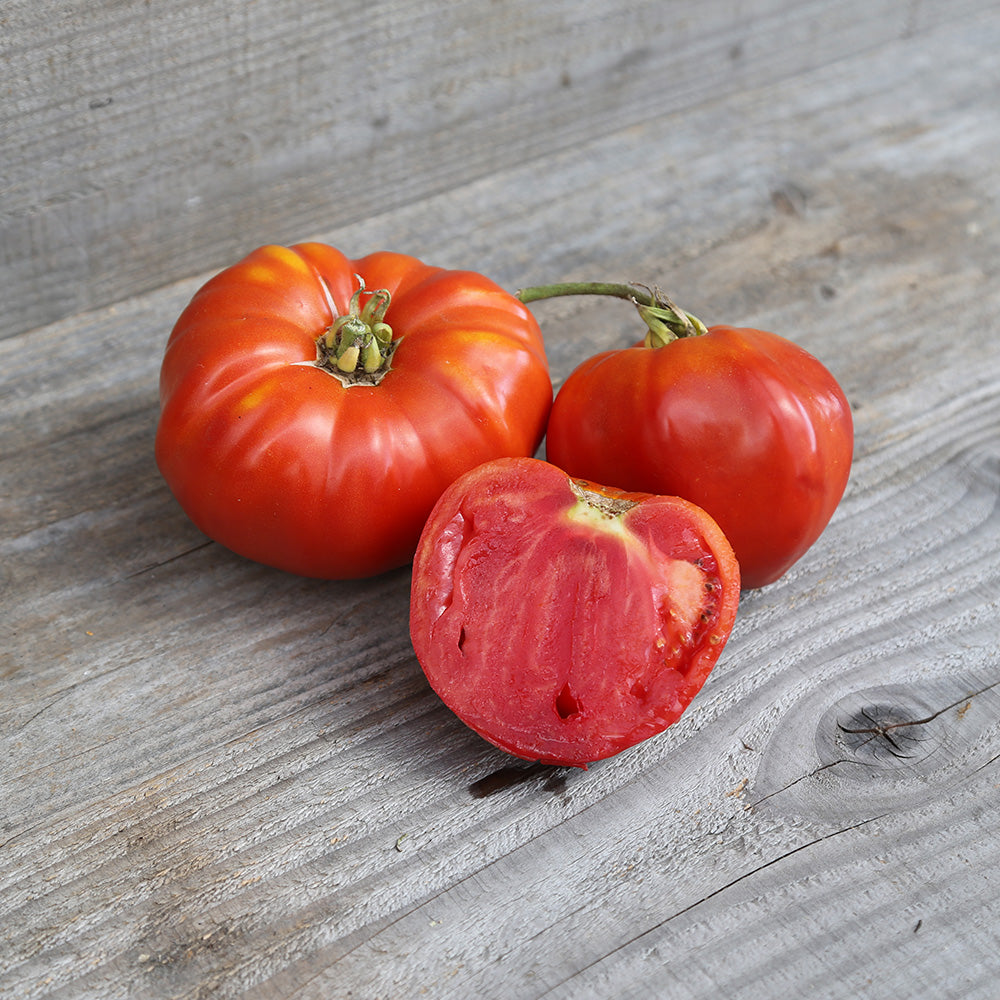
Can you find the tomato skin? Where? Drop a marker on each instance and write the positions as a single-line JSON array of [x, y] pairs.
[[275, 458], [741, 422], [557, 631]]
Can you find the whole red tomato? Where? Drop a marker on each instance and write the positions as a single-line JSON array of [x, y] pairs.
[[311, 423], [741, 422], [566, 621]]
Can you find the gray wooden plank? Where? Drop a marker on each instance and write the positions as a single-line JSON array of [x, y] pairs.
[[220, 781], [142, 144]]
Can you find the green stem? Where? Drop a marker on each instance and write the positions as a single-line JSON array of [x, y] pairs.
[[619, 291], [664, 320]]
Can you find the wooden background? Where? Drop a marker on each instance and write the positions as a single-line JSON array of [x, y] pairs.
[[217, 780]]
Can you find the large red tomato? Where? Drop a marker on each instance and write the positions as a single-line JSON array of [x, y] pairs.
[[741, 422], [311, 425], [565, 621]]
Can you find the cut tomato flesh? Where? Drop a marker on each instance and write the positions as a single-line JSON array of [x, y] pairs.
[[565, 627]]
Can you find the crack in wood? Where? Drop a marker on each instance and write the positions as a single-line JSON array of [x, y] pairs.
[[59, 697], [883, 730], [171, 559], [901, 734], [804, 777], [716, 892], [986, 764], [879, 730]]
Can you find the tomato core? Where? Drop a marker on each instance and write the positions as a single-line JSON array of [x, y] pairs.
[[591, 500]]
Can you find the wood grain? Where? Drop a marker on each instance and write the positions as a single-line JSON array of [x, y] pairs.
[[143, 142], [219, 780]]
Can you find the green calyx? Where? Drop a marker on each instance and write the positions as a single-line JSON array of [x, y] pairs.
[[358, 346], [664, 321]]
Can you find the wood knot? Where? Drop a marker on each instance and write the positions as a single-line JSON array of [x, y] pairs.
[[878, 747], [886, 728], [886, 734]]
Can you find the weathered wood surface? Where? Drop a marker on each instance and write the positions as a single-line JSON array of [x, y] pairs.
[[217, 780], [143, 142]]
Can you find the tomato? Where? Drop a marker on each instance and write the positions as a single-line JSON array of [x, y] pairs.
[[313, 408], [741, 422], [565, 621]]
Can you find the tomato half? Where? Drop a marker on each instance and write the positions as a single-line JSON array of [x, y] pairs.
[[311, 425], [741, 422], [565, 621]]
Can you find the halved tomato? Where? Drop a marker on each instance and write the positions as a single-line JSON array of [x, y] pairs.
[[565, 621]]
